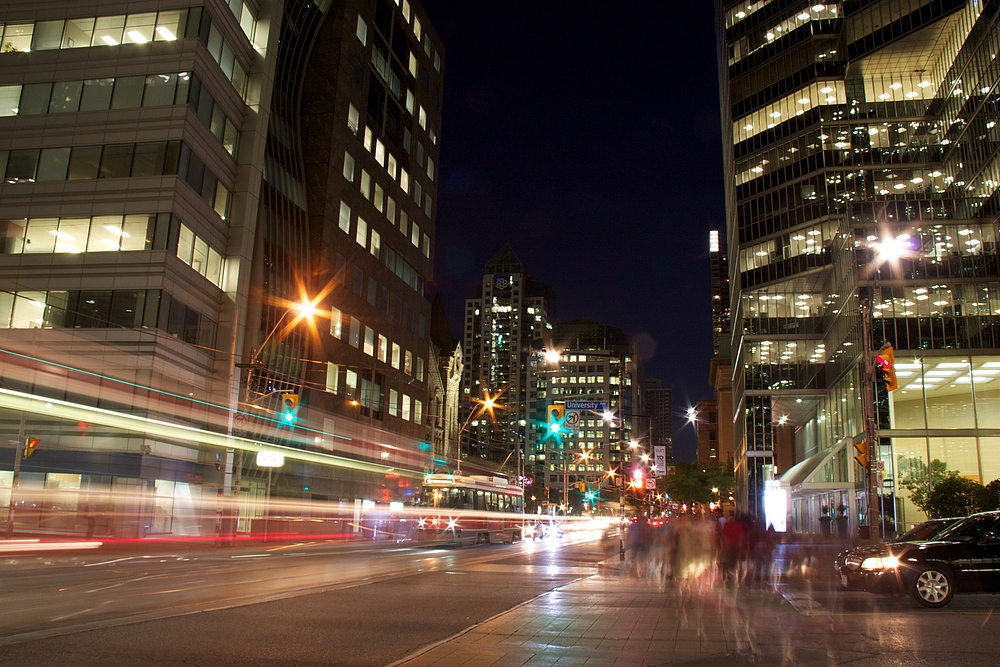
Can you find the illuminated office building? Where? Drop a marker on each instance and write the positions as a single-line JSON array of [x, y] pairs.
[[862, 186], [597, 381], [175, 178], [510, 312]]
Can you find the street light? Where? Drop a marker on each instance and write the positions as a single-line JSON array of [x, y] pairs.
[[304, 310], [485, 405]]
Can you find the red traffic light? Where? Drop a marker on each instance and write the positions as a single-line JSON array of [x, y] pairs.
[[29, 446]]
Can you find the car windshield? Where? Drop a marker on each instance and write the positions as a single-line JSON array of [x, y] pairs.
[[925, 531], [967, 529]]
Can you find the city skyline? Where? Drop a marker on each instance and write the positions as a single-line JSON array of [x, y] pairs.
[[605, 180]]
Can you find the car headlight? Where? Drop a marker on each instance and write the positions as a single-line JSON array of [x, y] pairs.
[[880, 563]]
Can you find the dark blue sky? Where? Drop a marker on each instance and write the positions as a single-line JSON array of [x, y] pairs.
[[588, 137]]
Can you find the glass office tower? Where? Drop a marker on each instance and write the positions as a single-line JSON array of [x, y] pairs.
[[175, 178], [862, 192]]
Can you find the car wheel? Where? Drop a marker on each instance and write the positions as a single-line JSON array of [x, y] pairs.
[[933, 586]]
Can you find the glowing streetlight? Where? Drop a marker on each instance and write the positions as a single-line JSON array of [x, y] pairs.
[[692, 415], [552, 356]]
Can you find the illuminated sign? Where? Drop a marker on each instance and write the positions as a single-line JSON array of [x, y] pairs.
[[270, 459]]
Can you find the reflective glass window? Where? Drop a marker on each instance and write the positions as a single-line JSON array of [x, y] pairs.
[[52, 164], [34, 98], [47, 35], [65, 96], [84, 163], [128, 92], [96, 95]]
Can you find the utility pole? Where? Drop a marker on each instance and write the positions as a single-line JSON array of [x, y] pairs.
[[871, 431]]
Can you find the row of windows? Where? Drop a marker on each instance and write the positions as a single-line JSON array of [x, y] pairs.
[[111, 233], [102, 31], [128, 29], [369, 238], [364, 338], [157, 158], [106, 309], [128, 92], [470, 499], [360, 388]]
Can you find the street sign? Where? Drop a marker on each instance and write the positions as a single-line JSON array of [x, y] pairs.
[[573, 418], [270, 459], [651, 483], [660, 459], [597, 406]]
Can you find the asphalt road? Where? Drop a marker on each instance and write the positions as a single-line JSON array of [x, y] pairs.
[[297, 605]]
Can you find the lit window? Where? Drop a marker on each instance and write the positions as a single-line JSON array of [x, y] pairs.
[[422, 117], [345, 217], [408, 363], [349, 167], [430, 168], [353, 118], [354, 339], [393, 402], [369, 348], [390, 210], [416, 28], [369, 138], [366, 184], [361, 236], [332, 377], [336, 322], [395, 355], [362, 31], [375, 245], [383, 348], [406, 408], [415, 235], [413, 65]]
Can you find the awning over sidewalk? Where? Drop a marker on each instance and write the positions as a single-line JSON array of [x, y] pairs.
[[810, 476]]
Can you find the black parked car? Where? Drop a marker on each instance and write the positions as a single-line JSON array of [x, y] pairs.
[[964, 558], [922, 532]]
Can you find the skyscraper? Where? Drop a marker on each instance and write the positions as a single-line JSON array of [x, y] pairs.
[[510, 312], [862, 189], [659, 406], [176, 184], [591, 372]]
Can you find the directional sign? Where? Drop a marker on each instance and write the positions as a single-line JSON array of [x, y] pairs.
[[597, 406], [573, 418], [651, 483]]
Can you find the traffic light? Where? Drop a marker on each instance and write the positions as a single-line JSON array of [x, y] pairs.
[[555, 414], [583, 487], [290, 407], [861, 453], [886, 360], [30, 444]]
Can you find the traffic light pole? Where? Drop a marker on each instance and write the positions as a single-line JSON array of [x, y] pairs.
[[17, 472], [871, 431]]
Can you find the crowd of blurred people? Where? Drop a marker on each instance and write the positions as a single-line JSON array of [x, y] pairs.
[[697, 551]]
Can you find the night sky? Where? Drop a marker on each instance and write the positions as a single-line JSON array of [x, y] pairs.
[[588, 137]]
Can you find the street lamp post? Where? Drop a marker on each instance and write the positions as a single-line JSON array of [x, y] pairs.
[[306, 311]]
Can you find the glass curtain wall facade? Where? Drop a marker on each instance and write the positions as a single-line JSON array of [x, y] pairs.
[[861, 173]]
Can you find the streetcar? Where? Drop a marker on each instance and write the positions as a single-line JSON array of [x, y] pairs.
[[469, 510]]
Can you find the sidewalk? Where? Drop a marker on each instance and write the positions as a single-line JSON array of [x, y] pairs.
[[603, 620], [612, 619]]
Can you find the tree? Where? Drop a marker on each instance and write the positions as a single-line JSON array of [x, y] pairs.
[[956, 496], [914, 478], [693, 482], [991, 497]]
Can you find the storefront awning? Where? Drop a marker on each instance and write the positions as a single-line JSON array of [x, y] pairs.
[[800, 478]]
